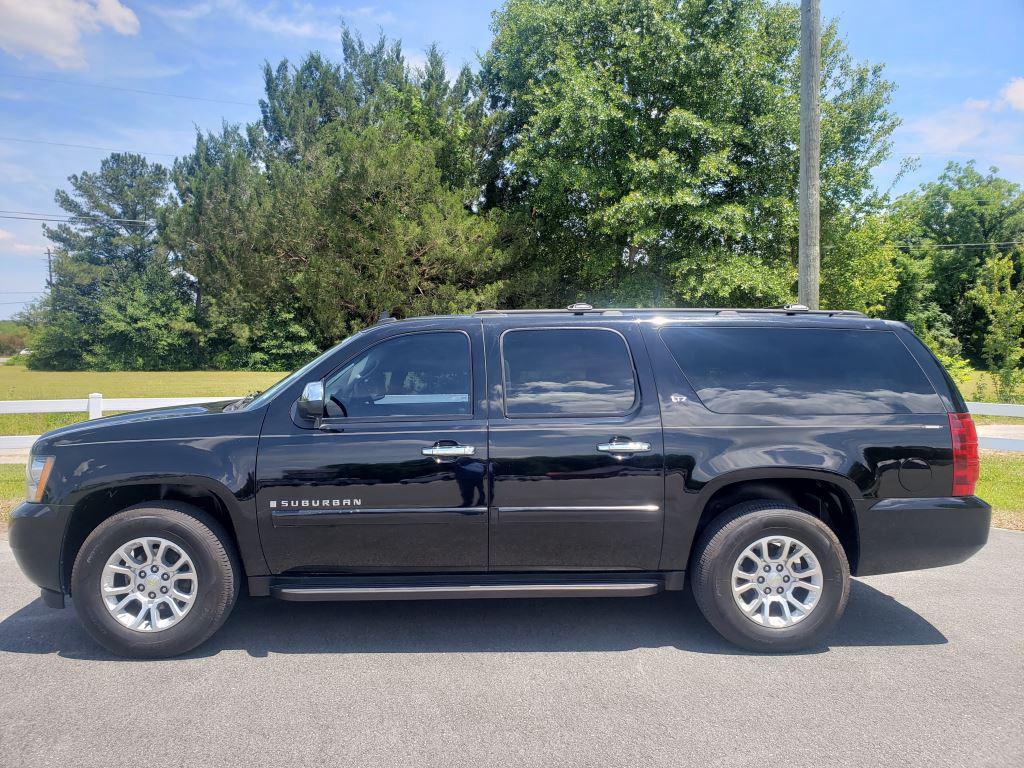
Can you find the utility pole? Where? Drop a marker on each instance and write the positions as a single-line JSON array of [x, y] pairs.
[[49, 268], [810, 153]]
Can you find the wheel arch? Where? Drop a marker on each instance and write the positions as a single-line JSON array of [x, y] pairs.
[[824, 494], [205, 494]]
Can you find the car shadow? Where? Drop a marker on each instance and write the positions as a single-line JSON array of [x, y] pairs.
[[262, 626]]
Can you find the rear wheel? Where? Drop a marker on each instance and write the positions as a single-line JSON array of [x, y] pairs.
[[770, 577], [155, 580]]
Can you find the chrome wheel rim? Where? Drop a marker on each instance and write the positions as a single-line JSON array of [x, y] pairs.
[[777, 582], [149, 584]]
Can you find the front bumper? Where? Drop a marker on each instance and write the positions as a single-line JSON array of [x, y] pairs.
[[910, 534], [37, 540]]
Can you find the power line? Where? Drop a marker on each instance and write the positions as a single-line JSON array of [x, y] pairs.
[[928, 246], [127, 90], [84, 146], [67, 218]]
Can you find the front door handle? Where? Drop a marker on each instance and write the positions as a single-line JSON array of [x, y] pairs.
[[619, 447], [448, 450]]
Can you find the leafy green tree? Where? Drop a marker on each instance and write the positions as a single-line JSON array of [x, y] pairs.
[[653, 145], [218, 225], [14, 337], [101, 255], [999, 292], [951, 222], [145, 323], [353, 195], [858, 264]]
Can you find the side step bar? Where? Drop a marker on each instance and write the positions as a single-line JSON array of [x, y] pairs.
[[466, 591]]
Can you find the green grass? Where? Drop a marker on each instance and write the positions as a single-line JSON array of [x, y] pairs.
[[36, 423], [1002, 486], [969, 387], [12, 488], [19, 383], [973, 379], [1009, 420]]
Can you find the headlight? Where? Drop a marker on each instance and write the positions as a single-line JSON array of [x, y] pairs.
[[37, 472]]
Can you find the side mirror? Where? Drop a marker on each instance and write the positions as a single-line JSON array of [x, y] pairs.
[[311, 402]]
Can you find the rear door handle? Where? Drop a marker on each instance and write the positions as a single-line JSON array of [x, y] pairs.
[[445, 451], [621, 447]]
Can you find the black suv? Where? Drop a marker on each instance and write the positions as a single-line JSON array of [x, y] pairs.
[[764, 454]]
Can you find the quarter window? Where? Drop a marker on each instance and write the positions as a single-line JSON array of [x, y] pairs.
[[416, 374], [567, 372], [801, 371]]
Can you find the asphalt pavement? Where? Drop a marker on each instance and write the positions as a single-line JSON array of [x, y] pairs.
[[925, 669]]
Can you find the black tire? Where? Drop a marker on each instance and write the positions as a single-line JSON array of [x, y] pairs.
[[724, 541], [216, 565]]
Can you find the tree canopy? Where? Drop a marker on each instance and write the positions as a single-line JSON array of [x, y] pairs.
[[622, 152]]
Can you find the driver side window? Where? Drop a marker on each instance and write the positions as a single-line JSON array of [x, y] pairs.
[[416, 374]]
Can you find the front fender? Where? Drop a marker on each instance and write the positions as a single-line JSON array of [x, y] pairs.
[[117, 473]]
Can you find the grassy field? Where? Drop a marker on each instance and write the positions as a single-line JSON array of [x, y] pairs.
[[1002, 485], [1012, 420], [12, 488], [19, 383], [987, 383]]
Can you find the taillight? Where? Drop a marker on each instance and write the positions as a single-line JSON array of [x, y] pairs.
[[966, 464]]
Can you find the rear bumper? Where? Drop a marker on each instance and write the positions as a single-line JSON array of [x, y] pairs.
[[910, 534], [37, 538]]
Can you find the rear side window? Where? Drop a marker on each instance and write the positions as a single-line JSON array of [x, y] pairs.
[[801, 371], [567, 372]]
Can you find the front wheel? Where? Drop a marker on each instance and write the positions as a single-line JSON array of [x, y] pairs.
[[770, 577], [155, 580]]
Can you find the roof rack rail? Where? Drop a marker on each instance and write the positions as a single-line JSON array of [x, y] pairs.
[[581, 309]]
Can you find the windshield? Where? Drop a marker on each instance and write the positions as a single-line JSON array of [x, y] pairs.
[[266, 396]]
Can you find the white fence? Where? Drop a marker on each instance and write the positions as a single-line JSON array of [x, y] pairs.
[[96, 404]]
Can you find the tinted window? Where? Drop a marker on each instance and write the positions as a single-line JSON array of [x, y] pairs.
[[418, 374], [567, 372], [801, 371]]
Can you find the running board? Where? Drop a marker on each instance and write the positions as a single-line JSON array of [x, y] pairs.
[[466, 591]]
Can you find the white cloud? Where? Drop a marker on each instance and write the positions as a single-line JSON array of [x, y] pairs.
[[947, 131], [1013, 94], [54, 29], [988, 129], [9, 243], [292, 19], [27, 248]]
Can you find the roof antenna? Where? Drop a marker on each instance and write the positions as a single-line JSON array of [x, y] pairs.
[[385, 316]]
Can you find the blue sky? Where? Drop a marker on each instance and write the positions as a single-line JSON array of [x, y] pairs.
[[958, 66]]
